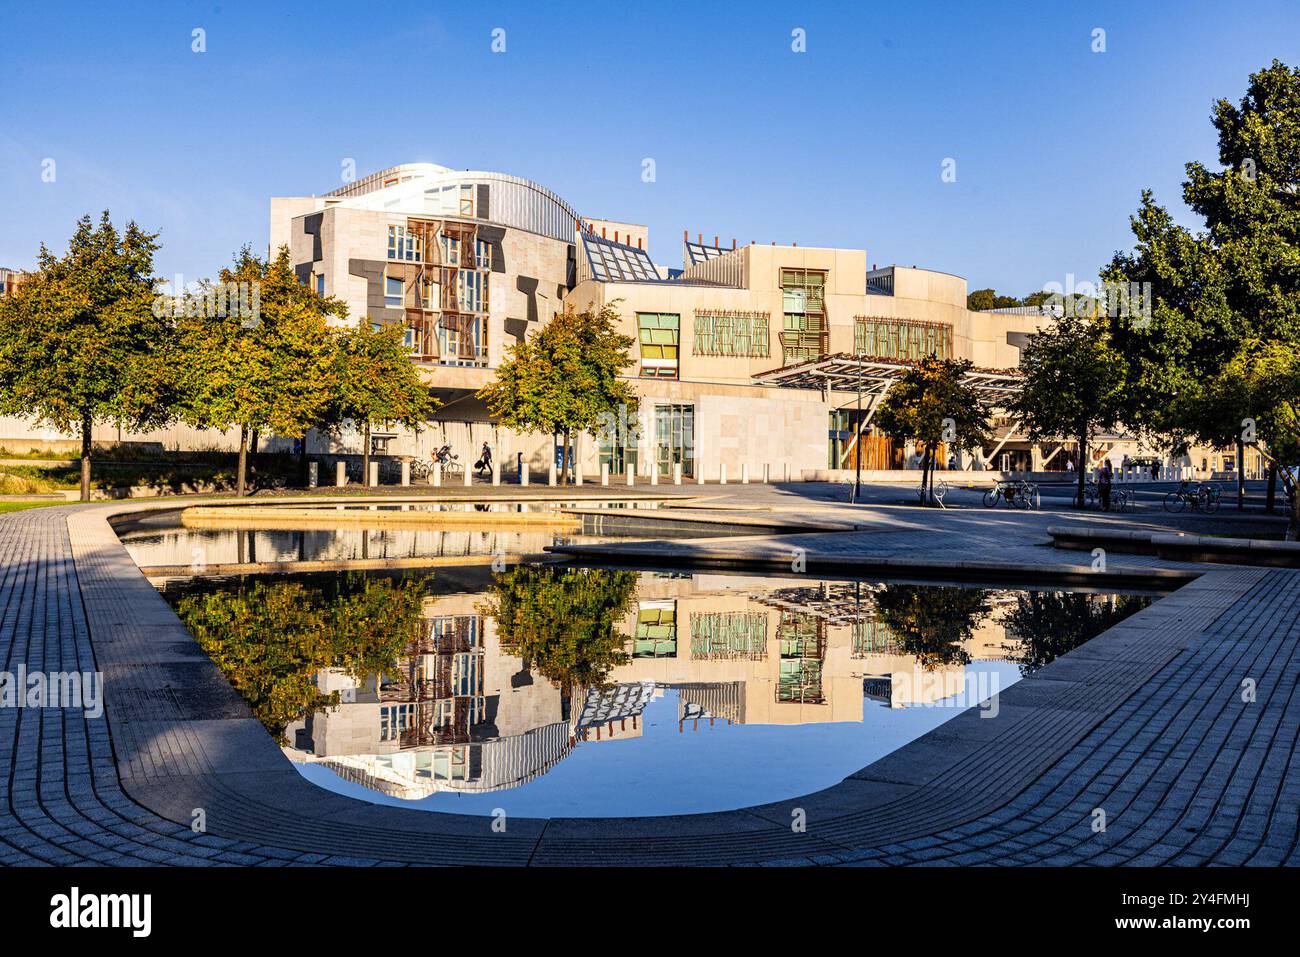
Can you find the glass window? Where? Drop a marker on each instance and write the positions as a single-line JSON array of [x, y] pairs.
[[450, 250], [393, 292], [320, 284], [403, 244], [483, 253], [658, 333]]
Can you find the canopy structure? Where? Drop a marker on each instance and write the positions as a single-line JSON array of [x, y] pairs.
[[873, 376]]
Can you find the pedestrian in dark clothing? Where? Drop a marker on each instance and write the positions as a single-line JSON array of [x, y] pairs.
[[1103, 485]]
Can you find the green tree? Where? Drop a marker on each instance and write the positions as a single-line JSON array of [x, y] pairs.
[[376, 380], [1257, 392], [931, 404], [271, 639], [1074, 385], [1223, 292], [273, 371], [982, 300], [79, 341], [565, 378], [563, 623]]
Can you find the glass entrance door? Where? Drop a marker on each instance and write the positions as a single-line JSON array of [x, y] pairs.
[[674, 439]]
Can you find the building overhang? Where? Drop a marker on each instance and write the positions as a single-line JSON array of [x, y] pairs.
[[874, 375]]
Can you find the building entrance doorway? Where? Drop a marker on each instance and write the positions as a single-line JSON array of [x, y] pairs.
[[674, 439]]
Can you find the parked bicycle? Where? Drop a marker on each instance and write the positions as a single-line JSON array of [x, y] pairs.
[[939, 489], [1018, 494], [1122, 498], [1197, 496]]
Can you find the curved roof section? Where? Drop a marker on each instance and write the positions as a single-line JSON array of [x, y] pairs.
[[424, 189]]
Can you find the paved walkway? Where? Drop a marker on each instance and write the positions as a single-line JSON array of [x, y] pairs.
[[1145, 722]]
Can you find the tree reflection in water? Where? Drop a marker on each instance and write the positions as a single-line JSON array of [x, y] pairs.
[[1048, 624], [271, 638], [932, 622], [563, 622]]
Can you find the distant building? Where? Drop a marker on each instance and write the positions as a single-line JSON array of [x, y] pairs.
[[470, 262]]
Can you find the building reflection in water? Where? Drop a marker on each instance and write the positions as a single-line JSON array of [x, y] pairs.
[[495, 684]]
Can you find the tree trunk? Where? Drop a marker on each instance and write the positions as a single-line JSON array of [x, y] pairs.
[[1271, 497], [87, 424], [243, 461], [1293, 528], [927, 496], [365, 454], [566, 460], [1079, 502], [1241, 475]]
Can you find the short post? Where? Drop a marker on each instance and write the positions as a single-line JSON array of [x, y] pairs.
[[313, 474], [577, 473], [523, 473], [406, 471], [550, 473], [469, 476], [604, 473], [699, 474], [437, 475], [767, 473], [744, 473], [631, 475], [654, 474], [677, 473], [785, 472], [340, 473], [374, 473], [496, 472], [722, 474]]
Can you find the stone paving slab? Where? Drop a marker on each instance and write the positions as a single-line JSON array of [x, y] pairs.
[[1145, 722]]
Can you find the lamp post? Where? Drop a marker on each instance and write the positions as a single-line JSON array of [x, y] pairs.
[[857, 426]]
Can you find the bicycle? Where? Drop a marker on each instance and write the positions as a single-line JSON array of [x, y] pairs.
[[1018, 494], [1201, 497]]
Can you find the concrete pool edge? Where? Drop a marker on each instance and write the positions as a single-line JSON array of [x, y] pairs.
[[169, 761]]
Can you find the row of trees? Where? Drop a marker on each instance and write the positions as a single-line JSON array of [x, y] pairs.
[[84, 342], [1213, 355], [1216, 357]]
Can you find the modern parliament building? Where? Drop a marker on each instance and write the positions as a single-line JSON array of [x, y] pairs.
[[746, 357]]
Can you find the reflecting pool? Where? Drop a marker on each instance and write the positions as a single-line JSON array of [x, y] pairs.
[[566, 691], [157, 540]]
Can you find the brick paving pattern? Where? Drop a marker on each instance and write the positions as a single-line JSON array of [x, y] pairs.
[[1145, 722]]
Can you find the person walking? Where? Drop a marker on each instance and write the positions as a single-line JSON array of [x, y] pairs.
[[484, 463], [1103, 485]]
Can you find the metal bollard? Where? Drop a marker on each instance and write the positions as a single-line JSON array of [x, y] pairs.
[[437, 475], [604, 473], [722, 474], [744, 473], [406, 471], [374, 473], [677, 473], [340, 474], [469, 476], [631, 475], [523, 474], [767, 473], [496, 473]]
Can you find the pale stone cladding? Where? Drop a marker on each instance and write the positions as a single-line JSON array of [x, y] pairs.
[[738, 423]]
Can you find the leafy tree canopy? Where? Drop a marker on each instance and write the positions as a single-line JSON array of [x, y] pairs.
[[79, 341]]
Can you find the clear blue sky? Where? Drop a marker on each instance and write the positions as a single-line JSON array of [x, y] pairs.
[[838, 146]]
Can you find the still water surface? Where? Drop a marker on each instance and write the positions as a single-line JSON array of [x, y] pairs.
[[564, 691]]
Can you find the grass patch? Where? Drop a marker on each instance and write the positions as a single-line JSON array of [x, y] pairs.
[[22, 506]]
